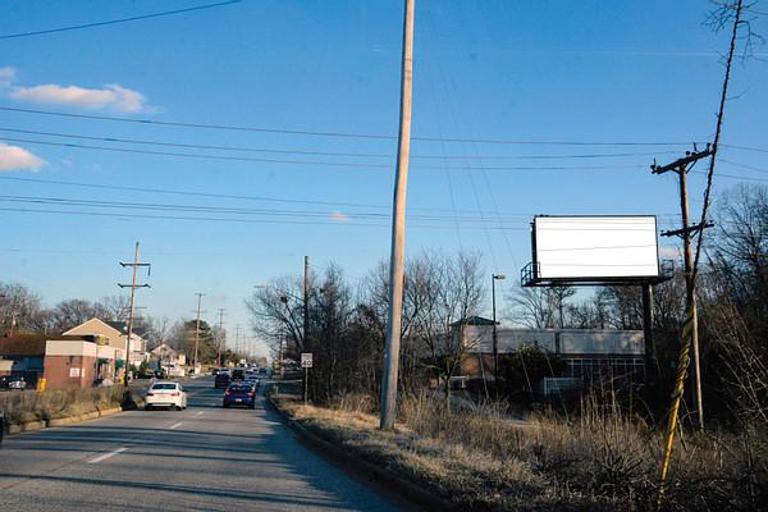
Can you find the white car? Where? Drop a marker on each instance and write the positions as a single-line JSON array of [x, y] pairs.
[[165, 393]]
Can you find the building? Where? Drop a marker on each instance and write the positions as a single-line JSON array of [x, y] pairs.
[[116, 335], [64, 361], [587, 353], [169, 360]]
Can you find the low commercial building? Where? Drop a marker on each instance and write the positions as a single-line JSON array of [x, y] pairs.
[[587, 353], [64, 361], [115, 335]]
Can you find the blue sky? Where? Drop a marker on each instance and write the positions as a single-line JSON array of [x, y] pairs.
[[596, 72]]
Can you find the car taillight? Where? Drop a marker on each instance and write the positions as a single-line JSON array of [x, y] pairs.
[[150, 394], [227, 392], [251, 393], [175, 393]]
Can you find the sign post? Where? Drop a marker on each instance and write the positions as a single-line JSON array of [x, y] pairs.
[[306, 363]]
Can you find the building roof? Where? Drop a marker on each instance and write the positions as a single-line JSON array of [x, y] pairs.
[[474, 320], [117, 325], [31, 344]]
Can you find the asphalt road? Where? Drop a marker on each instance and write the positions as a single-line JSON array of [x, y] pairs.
[[204, 458]]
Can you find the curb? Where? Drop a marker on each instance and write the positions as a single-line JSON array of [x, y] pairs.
[[110, 412], [30, 426], [382, 477], [34, 426]]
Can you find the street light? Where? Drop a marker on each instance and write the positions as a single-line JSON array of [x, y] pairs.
[[494, 277]]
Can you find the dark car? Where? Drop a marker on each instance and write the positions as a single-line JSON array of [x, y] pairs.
[[240, 394], [14, 383], [238, 374], [221, 380]]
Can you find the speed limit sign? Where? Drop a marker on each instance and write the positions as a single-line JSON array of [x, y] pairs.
[[306, 359]]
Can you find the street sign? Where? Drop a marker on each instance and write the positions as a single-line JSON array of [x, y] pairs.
[[306, 359]]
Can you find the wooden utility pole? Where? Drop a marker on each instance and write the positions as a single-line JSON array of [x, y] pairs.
[[221, 336], [197, 329], [397, 257], [681, 166], [135, 265]]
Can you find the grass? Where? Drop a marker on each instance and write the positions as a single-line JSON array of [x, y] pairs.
[[29, 406], [599, 461]]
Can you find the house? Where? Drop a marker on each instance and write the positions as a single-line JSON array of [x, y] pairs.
[[114, 334], [64, 361], [167, 356]]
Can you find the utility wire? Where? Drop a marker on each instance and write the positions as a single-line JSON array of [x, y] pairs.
[[324, 153], [117, 20], [228, 219], [355, 165], [210, 126]]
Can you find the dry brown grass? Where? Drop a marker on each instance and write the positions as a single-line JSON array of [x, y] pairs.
[[31, 406], [600, 461]]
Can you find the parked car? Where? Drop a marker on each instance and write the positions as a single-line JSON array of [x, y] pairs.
[[241, 394], [165, 393], [221, 380], [15, 383]]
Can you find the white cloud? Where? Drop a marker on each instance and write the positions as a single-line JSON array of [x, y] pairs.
[[111, 97], [14, 158], [339, 217], [7, 76]]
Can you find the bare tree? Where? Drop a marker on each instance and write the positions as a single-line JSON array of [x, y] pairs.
[[445, 292]]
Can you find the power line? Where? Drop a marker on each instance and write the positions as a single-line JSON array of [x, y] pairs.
[[231, 220], [250, 149], [222, 209], [337, 134], [117, 20], [355, 165]]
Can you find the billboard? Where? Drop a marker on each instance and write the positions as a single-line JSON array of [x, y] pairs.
[[595, 248]]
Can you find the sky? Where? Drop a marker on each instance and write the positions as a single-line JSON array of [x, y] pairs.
[[316, 84]]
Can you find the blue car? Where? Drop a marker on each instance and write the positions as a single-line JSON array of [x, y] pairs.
[[240, 394]]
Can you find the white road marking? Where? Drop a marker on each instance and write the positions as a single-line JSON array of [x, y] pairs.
[[175, 425], [200, 413], [107, 455]]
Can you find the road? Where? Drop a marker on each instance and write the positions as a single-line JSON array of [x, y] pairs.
[[204, 458]]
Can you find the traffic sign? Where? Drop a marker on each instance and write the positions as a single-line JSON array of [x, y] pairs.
[[306, 359]]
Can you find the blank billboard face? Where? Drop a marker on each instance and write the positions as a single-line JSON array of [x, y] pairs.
[[596, 247]]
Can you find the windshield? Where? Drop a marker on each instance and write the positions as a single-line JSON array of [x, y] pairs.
[[163, 386]]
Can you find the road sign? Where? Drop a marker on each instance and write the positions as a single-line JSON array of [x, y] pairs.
[[306, 359]]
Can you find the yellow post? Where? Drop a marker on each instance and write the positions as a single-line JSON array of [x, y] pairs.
[[41, 383], [677, 396]]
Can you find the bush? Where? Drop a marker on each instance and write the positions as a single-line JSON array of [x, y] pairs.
[[61, 403]]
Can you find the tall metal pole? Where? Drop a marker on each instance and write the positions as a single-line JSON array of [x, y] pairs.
[[397, 257], [197, 329], [305, 334], [131, 313], [495, 334]]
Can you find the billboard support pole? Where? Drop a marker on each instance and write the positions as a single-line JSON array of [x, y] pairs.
[[650, 345]]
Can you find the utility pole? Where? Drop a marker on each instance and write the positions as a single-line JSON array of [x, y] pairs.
[[397, 257], [221, 335], [237, 340], [682, 166], [306, 302], [197, 329], [133, 286]]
